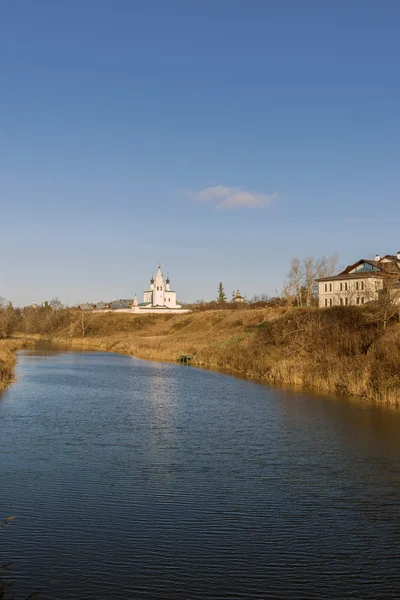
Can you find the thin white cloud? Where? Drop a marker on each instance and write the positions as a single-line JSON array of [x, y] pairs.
[[227, 197]]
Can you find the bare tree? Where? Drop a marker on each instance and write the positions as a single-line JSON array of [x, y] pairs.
[[300, 287], [295, 279], [388, 303], [56, 304], [8, 320], [310, 273], [287, 294], [86, 318], [259, 298], [326, 266]]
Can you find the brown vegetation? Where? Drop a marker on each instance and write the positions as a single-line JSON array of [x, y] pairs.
[[8, 360], [344, 350]]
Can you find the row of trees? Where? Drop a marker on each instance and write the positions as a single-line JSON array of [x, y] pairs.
[[44, 319], [300, 288], [7, 318], [257, 299]]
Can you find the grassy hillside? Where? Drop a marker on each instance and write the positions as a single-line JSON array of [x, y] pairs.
[[343, 350]]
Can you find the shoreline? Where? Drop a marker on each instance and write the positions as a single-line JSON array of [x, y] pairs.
[[344, 351], [8, 359], [127, 347], [291, 387]]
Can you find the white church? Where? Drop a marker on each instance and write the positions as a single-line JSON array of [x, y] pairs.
[[158, 299]]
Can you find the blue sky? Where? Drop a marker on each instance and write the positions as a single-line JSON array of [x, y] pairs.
[[218, 137]]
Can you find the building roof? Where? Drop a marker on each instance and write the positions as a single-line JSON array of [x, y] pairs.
[[123, 303], [366, 268], [391, 257], [237, 296], [86, 306]]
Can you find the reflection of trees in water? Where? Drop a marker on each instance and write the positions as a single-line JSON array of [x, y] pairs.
[[48, 348]]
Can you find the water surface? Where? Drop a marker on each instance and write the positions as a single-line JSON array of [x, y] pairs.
[[141, 480]]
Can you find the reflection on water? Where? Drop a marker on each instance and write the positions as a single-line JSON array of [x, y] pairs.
[[133, 479], [162, 396]]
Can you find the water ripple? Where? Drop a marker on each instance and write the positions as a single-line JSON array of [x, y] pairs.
[[136, 480]]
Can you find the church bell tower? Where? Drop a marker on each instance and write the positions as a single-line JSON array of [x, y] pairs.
[[158, 289]]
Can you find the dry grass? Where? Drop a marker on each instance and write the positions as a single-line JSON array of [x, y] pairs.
[[342, 350], [164, 337], [8, 360]]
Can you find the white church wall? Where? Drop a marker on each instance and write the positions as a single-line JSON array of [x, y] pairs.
[[170, 300], [163, 311], [159, 299]]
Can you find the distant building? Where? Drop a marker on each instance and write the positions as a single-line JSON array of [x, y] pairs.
[[237, 297], [160, 294], [361, 282], [119, 304], [159, 298], [86, 306], [101, 305]]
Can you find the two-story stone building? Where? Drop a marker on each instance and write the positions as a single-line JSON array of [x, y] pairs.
[[361, 282]]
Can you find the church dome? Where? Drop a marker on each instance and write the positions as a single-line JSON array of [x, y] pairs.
[[238, 297]]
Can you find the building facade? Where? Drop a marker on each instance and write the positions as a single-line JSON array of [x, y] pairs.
[[159, 298], [361, 282], [160, 294], [237, 297]]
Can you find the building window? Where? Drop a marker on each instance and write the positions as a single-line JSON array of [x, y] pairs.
[[330, 301], [169, 299], [330, 287], [346, 300], [345, 287], [357, 285], [341, 300], [341, 286], [326, 287], [362, 285], [362, 300], [326, 302], [357, 300]]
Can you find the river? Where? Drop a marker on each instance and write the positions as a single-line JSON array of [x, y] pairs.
[[138, 480]]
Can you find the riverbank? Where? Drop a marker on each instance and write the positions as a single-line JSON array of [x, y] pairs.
[[343, 350], [8, 360], [126, 449]]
